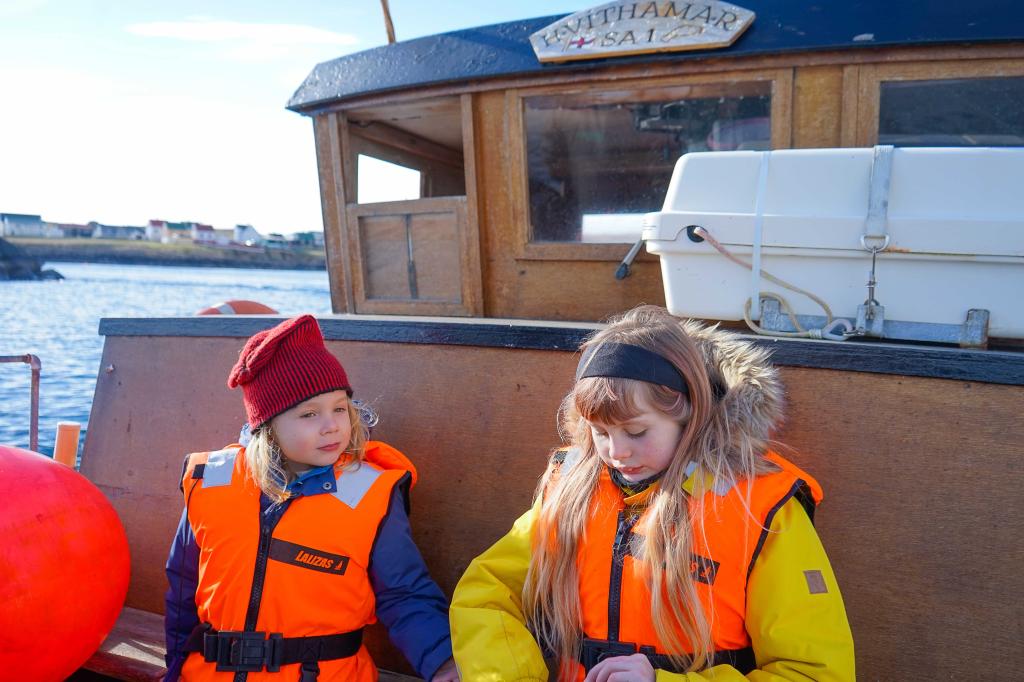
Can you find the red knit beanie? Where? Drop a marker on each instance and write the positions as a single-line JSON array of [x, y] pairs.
[[283, 366]]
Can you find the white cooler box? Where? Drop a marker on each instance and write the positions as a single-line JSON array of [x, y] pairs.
[[952, 220]]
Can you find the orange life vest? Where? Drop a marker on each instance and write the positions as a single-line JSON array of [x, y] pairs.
[[311, 568], [615, 597]]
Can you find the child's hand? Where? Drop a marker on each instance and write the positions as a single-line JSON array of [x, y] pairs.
[[635, 668], [448, 672]]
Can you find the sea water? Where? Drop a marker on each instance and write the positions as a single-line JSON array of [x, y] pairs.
[[58, 321]]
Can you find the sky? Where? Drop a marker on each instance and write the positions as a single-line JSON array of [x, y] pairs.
[[122, 111]]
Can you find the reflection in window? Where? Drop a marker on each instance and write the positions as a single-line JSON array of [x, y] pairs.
[[605, 228], [598, 161], [961, 112], [385, 181]]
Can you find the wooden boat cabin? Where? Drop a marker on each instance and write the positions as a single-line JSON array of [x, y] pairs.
[[477, 202], [460, 175]]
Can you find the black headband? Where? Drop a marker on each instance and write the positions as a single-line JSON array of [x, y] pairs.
[[630, 362], [633, 362]]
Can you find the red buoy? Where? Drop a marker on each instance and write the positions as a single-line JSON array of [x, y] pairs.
[[238, 308], [64, 567]]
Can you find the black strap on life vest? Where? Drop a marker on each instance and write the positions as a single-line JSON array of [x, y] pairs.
[[254, 651], [593, 651], [803, 494]]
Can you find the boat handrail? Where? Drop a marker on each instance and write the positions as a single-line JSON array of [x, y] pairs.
[[33, 362]]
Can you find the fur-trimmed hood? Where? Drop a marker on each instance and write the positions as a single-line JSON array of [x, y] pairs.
[[754, 399]]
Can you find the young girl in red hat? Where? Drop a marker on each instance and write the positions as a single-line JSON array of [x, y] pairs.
[[290, 545]]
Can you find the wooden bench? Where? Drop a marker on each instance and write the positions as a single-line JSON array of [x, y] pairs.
[[134, 651]]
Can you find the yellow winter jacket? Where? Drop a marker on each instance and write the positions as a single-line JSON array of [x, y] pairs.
[[796, 635]]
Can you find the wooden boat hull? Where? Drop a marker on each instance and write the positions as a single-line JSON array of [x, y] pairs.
[[922, 511]]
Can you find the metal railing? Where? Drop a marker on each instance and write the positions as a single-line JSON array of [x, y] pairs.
[[33, 362]]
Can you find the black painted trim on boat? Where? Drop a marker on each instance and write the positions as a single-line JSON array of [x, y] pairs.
[[994, 367], [504, 50], [485, 333]]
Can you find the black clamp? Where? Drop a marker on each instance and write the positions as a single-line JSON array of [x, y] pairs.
[[593, 651], [235, 651], [309, 672]]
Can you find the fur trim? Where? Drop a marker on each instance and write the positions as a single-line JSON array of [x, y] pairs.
[[755, 399]]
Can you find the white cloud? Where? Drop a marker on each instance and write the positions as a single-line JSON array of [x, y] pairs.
[[251, 43], [50, 83], [14, 8], [123, 155], [291, 79], [209, 30], [79, 144], [257, 53]]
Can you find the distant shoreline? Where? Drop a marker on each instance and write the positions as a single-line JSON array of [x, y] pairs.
[[125, 252]]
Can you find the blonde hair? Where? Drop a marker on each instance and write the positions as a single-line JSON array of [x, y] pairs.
[[265, 461], [551, 597]]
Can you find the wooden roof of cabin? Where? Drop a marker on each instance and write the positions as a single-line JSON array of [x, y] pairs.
[[502, 50]]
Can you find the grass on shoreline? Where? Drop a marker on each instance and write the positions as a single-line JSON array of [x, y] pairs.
[[154, 253]]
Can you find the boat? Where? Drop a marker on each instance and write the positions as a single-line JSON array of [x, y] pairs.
[[511, 185]]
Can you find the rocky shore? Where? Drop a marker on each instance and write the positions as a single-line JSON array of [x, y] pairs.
[[16, 264], [152, 253]]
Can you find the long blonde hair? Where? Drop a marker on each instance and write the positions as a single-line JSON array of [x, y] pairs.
[[551, 597], [265, 461]]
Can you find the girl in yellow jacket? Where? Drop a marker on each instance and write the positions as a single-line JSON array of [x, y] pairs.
[[667, 542]]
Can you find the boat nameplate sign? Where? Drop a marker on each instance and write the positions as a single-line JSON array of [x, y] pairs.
[[627, 27]]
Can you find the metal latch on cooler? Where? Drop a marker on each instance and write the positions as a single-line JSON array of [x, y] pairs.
[[871, 313]]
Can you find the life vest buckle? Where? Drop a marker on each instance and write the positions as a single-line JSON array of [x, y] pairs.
[[309, 672], [593, 651], [236, 651]]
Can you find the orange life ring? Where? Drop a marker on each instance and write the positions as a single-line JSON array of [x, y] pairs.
[[238, 308]]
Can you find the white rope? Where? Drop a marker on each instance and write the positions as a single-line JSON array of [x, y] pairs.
[[829, 331]]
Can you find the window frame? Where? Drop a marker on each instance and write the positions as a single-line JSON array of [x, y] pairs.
[[350, 275], [862, 88], [781, 81], [468, 246]]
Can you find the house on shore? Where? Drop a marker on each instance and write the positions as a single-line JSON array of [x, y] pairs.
[[26, 225], [203, 234], [130, 232], [247, 234], [275, 240], [74, 231], [167, 232], [308, 239]]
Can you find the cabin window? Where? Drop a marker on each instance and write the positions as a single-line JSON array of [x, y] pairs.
[[385, 181], [411, 245], [958, 112], [597, 161]]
